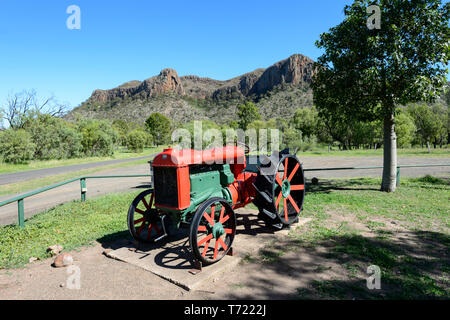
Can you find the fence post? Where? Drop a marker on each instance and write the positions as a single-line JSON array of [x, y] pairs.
[[20, 213], [398, 177], [83, 189]]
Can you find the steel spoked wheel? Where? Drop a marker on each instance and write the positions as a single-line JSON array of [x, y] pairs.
[[145, 222], [212, 230], [289, 189]]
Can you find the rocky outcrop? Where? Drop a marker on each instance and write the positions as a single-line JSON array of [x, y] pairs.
[[239, 86], [296, 69], [167, 81]]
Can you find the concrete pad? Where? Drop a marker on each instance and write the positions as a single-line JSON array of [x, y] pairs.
[[172, 260]]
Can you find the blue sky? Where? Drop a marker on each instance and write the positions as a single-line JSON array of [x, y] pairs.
[[134, 40]]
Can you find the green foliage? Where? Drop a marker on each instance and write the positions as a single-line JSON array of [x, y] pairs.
[[53, 137], [136, 140], [405, 128], [365, 74], [159, 127], [16, 146], [198, 133], [306, 119], [294, 139], [427, 123], [123, 128], [98, 137], [247, 113]]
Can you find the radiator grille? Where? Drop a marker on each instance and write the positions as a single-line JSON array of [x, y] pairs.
[[166, 189]]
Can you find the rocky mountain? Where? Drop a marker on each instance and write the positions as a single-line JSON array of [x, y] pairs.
[[277, 90]]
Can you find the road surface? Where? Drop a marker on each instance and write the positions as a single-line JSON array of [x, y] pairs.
[[34, 174], [96, 187]]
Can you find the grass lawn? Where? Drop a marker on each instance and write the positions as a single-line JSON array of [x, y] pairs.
[[35, 164], [406, 234]]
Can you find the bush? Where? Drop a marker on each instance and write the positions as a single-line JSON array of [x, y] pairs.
[[98, 137], [136, 140], [54, 138], [16, 146], [293, 139]]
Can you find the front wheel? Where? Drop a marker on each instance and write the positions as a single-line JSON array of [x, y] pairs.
[[145, 222], [214, 221]]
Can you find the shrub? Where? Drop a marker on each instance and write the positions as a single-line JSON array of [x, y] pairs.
[[16, 146], [53, 137], [136, 140], [293, 139], [98, 137]]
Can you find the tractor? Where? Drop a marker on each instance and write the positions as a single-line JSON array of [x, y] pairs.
[[202, 189]]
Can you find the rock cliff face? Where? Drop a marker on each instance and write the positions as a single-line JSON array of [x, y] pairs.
[[167, 81], [294, 70]]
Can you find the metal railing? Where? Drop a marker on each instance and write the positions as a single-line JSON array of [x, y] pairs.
[[381, 167], [83, 189]]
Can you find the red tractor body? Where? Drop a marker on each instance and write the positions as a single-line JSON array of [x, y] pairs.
[[203, 188]]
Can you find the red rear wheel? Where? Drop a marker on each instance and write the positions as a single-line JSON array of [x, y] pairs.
[[289, 189]]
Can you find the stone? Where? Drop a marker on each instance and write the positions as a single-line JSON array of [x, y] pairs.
[[33, 259], [63, 260], [55, 249]]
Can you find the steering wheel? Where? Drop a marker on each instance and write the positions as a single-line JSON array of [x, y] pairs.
[[246, 147]]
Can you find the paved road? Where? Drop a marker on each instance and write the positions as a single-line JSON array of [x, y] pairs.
[[335, 162], [33, 174], [70, 192]]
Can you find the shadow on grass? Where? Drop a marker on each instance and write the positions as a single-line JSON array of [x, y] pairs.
[[326, 186], [414, 265]]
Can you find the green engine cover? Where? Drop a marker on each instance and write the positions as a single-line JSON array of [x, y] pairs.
[[210, 181], [207, 181]]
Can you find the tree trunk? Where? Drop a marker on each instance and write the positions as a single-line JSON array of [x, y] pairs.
[[389, 180]]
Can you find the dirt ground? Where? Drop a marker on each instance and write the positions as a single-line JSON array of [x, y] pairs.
[[290, 275]]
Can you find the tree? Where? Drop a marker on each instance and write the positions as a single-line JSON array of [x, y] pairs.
[[16, 146], [20, 106], [427, 123], [123, 128], [405, 129], [247, 113], [306, 119], [443, 129], [159, 127], [365, 74]]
